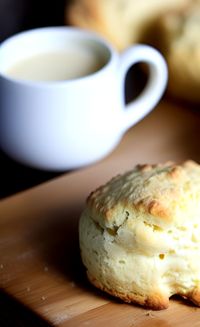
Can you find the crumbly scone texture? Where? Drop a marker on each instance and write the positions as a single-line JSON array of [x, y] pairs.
[[140, 234], [178, 40]]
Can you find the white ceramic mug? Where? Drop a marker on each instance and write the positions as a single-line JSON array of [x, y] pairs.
[[60, 125]]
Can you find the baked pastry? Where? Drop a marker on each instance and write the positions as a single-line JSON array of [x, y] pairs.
[[140, 235], [178, 40], [122, 22]]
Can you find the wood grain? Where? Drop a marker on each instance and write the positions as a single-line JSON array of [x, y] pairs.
[[39, 254]]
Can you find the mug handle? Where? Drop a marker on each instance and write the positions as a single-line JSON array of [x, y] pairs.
[[155, 87]]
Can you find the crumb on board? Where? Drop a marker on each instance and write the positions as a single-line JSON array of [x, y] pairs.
[[46, 269], [1, 266], [43, 298], [28, 289], [149, 314]]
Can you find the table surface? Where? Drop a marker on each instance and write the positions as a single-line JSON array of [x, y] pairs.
[[170, 132], [16, 177]]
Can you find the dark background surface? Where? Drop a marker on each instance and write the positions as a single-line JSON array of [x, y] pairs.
[[19, 15]]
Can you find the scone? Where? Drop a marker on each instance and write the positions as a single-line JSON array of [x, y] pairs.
[[140, 235], [179, 41], [122, 22]]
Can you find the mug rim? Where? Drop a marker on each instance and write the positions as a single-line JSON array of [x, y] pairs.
[[88, 34]]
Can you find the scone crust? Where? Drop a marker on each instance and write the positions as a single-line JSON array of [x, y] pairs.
[[155, 301], [152, 190], [139, 234]]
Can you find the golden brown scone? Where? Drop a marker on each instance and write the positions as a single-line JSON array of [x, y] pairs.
[[122, 22], [179, 41], [140, 235]]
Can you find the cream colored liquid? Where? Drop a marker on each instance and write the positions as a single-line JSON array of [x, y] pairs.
[[56, 66]]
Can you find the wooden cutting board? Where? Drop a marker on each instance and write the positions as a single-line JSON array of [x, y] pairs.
[[39, 254]]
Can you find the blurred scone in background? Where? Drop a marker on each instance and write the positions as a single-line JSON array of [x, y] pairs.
[[177, 36], [171, 26]]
